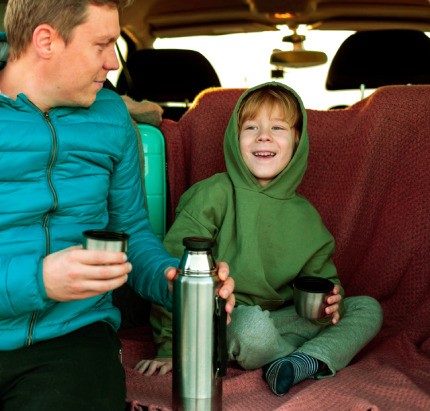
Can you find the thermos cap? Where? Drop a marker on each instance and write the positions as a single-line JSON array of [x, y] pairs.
[[198, 243]]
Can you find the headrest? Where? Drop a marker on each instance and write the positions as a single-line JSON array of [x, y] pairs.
[[380, 58], [164, 75]]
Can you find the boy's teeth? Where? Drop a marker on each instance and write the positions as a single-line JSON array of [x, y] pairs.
[[264, 154]]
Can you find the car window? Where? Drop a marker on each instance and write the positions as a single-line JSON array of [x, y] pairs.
[[243, 60]]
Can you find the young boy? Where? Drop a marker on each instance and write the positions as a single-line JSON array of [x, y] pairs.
[[270, 235]]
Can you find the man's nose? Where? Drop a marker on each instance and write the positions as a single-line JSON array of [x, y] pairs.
[[112, 62]]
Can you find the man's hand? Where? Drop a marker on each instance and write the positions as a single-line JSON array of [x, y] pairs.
[[75, 273], [226, 290]]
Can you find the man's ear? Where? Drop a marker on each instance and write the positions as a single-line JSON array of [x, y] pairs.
[[44, 37]]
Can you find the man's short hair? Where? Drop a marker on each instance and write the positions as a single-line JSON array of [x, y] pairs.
[[23, 16]]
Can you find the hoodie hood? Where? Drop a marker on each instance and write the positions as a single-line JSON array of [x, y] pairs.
[[285, 184]]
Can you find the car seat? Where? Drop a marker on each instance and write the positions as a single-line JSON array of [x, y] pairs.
[[371, 59], [169, 77]]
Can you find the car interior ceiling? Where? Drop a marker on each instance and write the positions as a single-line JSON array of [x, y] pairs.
[[169, 18]]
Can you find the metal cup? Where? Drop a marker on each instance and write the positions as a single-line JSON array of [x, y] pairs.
[[105, 240], [310, 296]]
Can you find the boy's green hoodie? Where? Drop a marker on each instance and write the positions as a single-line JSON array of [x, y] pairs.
[[267, 234]]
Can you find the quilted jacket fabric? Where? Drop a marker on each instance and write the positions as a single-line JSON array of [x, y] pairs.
[[63, 172]]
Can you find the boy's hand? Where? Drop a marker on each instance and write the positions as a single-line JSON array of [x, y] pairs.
[[226, 290], [156, 366], [333, 305]]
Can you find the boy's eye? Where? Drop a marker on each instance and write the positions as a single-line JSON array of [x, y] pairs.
[[249, 127], [283, 127]]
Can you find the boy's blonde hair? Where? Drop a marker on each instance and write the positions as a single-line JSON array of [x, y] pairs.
[[272, 95], [23, 16]]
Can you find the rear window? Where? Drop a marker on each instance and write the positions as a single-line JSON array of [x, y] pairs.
[[243, 60]]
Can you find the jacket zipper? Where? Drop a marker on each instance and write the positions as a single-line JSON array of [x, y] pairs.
[[47, 216]]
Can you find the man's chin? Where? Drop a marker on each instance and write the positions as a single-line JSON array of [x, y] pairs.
[[83, 99], [84, 102]]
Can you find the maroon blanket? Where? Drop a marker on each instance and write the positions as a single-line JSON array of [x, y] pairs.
[[369, 176]]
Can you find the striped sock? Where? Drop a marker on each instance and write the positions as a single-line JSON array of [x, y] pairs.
[[285, 372]]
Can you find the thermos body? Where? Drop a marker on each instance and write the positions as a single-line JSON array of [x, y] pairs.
[[193, 369], [199, 321]]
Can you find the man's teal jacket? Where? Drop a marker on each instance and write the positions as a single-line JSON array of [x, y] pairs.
[[63, 172]]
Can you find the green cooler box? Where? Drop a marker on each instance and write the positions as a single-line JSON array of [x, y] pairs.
[[155, 177]]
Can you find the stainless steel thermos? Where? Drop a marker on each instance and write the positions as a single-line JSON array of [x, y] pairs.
[[199, 330]]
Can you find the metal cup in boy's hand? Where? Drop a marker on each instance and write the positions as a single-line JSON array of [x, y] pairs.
[[310, 296]]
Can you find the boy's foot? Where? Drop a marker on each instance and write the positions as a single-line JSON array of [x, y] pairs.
[[285, 372]]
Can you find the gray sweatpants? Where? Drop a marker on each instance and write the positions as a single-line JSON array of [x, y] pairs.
[[256, 337]]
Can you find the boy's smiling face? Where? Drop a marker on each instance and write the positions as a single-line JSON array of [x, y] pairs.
[[267, 143]]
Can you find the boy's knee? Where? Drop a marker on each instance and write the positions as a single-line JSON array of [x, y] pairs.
[[251, 336], [247, 321], [369, 307]]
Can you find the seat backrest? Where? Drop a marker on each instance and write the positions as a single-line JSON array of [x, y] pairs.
[[170, 77], [379, 58]]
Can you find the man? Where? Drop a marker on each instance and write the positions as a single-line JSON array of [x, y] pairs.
[[68, 163]]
